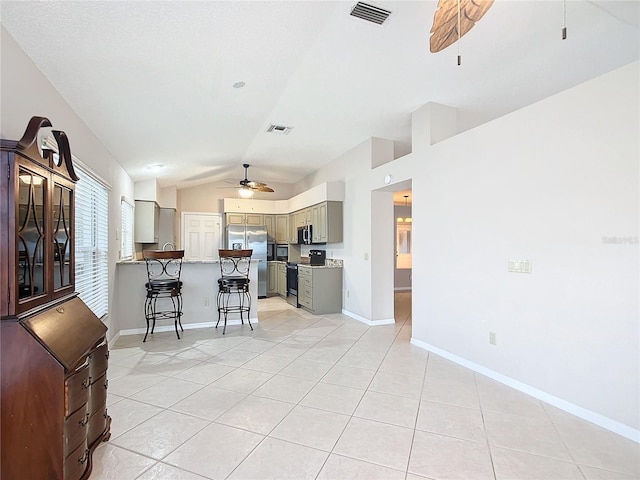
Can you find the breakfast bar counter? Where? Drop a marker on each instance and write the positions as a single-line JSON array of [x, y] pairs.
[[199, 293]]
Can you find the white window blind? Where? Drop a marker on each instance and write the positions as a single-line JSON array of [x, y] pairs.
[[91, 219], [126, 247]]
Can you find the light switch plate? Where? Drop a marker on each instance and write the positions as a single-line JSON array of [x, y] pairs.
[[519, 266]]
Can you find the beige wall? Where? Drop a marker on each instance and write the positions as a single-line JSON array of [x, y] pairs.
[[207, 197]]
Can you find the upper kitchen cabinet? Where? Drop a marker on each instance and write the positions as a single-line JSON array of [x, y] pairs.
[[270, 223], [277, 228], [282, 228], [147, 219], [327, 222], [325, 219], [244, 219]]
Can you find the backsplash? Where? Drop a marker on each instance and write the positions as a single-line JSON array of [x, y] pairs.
[[333, 262]]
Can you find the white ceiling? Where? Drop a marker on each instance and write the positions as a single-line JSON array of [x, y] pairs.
[[154, 80]]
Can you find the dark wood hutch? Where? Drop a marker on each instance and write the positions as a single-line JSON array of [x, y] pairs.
[[53, 350]]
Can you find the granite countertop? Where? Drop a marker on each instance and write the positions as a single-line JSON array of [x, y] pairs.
[[319, 266], [184, 262]]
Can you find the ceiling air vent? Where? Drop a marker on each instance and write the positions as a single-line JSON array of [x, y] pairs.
[[279, 129], [370, 13]]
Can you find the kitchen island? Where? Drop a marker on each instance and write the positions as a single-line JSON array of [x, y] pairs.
[[199, 294]]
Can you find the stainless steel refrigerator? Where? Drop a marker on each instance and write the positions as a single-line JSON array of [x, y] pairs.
[[254, 237]]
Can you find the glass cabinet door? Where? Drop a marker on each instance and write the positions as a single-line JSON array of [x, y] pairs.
[[31, 234], [61, 229]]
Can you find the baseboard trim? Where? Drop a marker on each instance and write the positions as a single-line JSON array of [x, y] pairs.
[[588, 415], [371, 323], [172, 328]]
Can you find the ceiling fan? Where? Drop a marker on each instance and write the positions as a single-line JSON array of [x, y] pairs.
[[247, 187]]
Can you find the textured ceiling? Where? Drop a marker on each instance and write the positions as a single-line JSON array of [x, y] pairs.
[[154, 80]]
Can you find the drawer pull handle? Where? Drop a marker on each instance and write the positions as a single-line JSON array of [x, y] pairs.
[[87, 383], [84, 457], [84, 420], [106, 384]]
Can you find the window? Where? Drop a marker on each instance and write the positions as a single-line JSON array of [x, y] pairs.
[[126, 246], [92, 215]]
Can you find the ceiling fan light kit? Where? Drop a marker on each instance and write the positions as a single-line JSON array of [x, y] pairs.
[[245, 192]]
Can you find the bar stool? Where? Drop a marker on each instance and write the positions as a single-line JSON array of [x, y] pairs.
[[234, 280], [163, 282]]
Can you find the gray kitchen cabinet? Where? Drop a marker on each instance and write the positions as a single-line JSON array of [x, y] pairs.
[[272, 278], [327, 222], [282, 228], [146, 221], [320, 289], [293, 229], [270, 223], [282, 279], [244, 219]]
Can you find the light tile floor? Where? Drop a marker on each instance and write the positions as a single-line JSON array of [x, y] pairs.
[[326, 397]]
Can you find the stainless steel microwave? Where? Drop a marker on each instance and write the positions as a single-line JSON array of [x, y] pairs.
[[305, 235]]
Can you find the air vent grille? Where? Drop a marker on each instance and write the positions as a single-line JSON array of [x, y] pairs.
[[370, 13], [279, 129]]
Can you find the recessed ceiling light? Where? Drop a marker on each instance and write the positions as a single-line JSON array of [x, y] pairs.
[[155, 166], [239, 85]]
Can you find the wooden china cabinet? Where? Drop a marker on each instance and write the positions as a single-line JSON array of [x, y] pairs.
[[53, 350]]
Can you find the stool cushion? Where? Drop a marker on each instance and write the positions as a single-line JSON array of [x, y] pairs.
[[163, 285]]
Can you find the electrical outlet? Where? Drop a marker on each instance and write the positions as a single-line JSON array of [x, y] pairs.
[[366, 256], [492, 338], [206, 302], [347, 293]]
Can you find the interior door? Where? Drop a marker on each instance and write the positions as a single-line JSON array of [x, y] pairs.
[[201, 235]]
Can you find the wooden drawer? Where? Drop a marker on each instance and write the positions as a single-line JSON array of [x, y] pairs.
[[98, 395], [76, 463], [305, 282], [98, 361], [75, 429], [76, 390], [97, 425]]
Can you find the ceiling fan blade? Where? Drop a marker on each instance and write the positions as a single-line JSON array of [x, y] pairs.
[[253, 184], [444, 31], [264, 188]]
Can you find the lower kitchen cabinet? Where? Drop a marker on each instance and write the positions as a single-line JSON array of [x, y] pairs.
[[282, 279], [272, 278], [320, 289]]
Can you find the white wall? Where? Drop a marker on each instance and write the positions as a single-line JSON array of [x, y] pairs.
[[354, 169], [25, 92], [549, 183]]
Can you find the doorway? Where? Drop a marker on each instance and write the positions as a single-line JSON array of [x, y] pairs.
[[404, 241]]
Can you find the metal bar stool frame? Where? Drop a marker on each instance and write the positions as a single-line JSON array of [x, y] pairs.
[[163, 282], [234, 279]]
